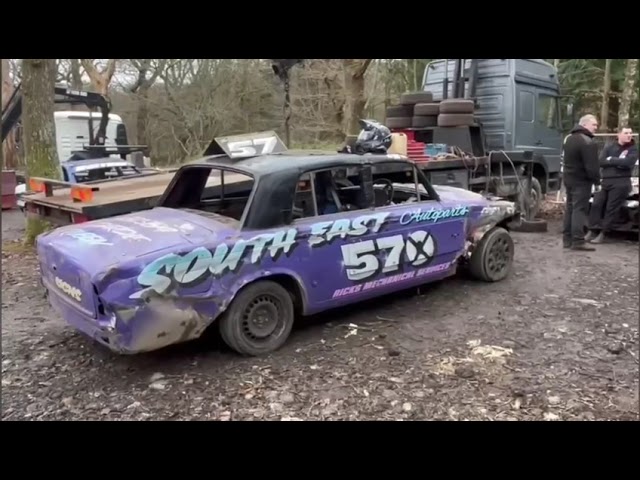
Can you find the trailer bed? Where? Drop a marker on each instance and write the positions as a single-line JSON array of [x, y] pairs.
[[111, 199]]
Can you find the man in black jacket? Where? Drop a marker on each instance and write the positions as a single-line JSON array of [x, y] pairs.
[[581, 170], [617, 161]]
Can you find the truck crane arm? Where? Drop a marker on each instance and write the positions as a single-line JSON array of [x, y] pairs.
[[12, 112]]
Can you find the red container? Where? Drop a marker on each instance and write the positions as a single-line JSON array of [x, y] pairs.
[[415, 150], [9, 183]]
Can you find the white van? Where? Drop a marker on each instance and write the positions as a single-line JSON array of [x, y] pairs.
[[72, 131], [72, 134]]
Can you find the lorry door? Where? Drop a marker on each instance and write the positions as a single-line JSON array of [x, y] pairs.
[[525, 134], [548, 132]]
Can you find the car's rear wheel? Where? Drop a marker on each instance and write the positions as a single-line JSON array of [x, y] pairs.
[[259, 320], [492, 259]]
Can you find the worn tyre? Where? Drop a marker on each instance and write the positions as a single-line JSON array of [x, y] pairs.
[[412, 98], [455, 119], [492, 257], [259, 320], [535, 198], [426, 109], [400, 111], [418, 122], [457, 105], [398, 122]]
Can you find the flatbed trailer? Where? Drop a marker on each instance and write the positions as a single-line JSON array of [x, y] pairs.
[[63, 203], [498, 173], [502, 174], [83, 202], [507, 174]]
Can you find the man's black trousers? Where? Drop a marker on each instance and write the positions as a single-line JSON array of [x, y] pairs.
[[605, 208], [575, 212]]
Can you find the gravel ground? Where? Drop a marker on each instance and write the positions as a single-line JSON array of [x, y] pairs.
[[557, 341]]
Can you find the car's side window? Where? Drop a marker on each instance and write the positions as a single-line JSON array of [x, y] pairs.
[[330, 191], [396, 183]]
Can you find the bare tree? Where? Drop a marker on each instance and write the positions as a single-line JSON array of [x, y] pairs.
[[9, 147], [281, 67], [629, 92], [39, 134], [100, 79], [148, 72], [354, 85]]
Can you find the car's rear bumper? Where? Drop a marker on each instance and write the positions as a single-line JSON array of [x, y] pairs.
[[143, 331], [101, 331]]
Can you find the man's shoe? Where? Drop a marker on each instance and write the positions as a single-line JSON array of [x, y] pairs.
[[583, 247], [599, 238], [589, 236]]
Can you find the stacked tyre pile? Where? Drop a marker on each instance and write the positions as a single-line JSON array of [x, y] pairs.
[[455, 112], [418, 110]]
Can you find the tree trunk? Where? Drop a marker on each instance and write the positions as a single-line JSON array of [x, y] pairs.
[[100, 80], [628, 92], [286, 107], [606, 92], [76, 82], [76, 74], [9, 147], [142, 117], [354, 83], [141, 89], [39, 139]]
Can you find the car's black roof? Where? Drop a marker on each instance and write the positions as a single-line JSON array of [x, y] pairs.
[[295, 160]]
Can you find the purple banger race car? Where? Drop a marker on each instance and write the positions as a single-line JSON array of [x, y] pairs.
[[250, 241]]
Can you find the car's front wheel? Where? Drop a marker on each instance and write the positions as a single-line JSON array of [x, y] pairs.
[[259, 320], [492, 257]]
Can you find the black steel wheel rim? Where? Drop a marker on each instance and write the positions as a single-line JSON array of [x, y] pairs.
[[499, 256], [262, 319]]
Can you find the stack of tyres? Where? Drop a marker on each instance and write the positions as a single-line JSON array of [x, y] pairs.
[[416, 110], [455, 112]]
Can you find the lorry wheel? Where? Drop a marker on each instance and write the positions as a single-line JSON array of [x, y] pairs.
[[534, 200], [457, 105], [399, 122], [424, 121], [426, 109], [400, 111], [492, 257], [412, 98], [455, 119], [259, 320]]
